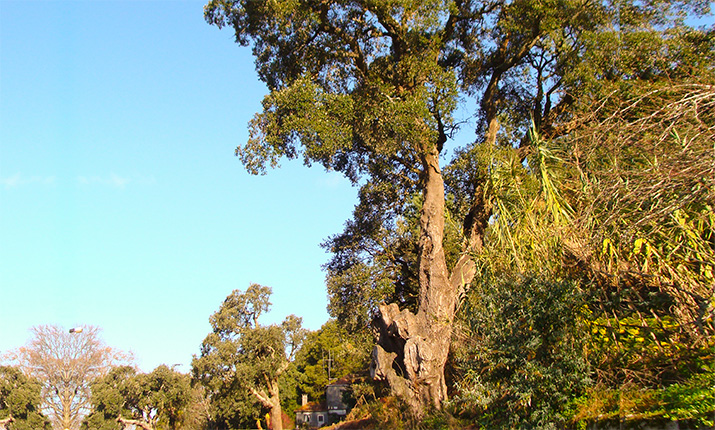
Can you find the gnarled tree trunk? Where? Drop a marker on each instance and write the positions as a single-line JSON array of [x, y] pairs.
[[412, 350], [272, 401], [276, 416]]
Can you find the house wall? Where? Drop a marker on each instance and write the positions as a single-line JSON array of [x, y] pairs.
[[334, 398], [314, 419]]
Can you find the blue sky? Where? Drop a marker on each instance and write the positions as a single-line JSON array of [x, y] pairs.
[[121, 204]]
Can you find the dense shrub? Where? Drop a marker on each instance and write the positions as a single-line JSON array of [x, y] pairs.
[[523, 358]]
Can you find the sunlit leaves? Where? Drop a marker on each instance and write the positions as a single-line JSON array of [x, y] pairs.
[[300, 114], [242, 361], [20, 399], [158, 399]]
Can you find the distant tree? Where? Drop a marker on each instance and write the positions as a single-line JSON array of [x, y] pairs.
[[109, 399], [150, 401], [65, 364], [243, 361], [329, 354], [20, 401], [159, 398]]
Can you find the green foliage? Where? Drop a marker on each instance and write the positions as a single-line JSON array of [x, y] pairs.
[[530, 213], [691, 403], [343, 98], [163, 393], [361, 88], [636, 49], [20, 398], [622, 204], [623, 207], [330, 351], [521, 358], [158, 398], [109, 399], [245, 365], [373, 259], [692, 400]]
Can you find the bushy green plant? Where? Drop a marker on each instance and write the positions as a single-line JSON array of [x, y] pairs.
[[691, 403], [20, 399], [692, 400], [523, 359]]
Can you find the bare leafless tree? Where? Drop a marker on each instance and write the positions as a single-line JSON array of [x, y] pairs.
[[66, 362]]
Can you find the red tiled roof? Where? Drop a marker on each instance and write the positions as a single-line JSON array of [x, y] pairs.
[[313, 407]]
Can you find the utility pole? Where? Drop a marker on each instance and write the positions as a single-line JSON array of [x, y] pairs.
[[329, 362]]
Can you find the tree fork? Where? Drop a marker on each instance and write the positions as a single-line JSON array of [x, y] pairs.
[[137, 423], [412, 350]]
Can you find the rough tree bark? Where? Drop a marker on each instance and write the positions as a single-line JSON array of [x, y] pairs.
[[137, 423], [412, 350], [272, 401]]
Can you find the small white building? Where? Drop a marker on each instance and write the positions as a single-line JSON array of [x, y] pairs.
[[313, 414], [316, 414]]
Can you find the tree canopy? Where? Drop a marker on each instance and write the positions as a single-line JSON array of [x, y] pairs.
[[151, 401], [370, 89], [330, 354], [243, 362], [20, 401]]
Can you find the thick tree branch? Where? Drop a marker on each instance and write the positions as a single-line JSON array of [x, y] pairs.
[[262, 397], [394, 29], [139, 423]]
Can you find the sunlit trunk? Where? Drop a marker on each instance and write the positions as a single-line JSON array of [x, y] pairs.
[[412, 350], [276, 416], [66, 400], [428, 354]]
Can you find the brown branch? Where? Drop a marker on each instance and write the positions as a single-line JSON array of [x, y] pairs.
[[139, 423], [4, 422], [262, 397], [283, 368]]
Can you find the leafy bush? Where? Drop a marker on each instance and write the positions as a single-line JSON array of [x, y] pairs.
[[522, 358], [691, 403], [693, 400]]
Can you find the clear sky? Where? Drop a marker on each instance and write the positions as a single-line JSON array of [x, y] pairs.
[[121, 203]]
